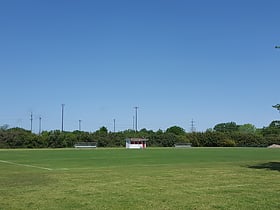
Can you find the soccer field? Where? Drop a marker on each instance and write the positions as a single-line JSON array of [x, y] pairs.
[[155, 178]]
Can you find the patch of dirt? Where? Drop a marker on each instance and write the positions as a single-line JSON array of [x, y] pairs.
[[274, 146]]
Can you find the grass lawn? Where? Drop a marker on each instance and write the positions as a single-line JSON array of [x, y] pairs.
[[159, 178]]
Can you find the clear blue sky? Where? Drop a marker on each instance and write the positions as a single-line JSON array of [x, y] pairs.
[[210, 61]]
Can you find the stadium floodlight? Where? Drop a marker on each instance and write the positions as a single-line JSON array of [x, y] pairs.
[[62, 116], [114, 120], [277, 46], [136, 108], [40, 125], [80, 125]]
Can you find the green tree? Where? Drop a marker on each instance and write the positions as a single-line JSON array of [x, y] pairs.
[[176, 130], [226, 127], [103, 130], [247, 128], [273, 129], [56, 139], [4, 127], [275, 124], [101, 137], [277, 106]]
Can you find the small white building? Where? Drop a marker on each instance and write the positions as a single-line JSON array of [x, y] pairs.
[[136, 143]]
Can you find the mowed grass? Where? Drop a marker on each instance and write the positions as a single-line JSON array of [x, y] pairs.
[[160, 178]]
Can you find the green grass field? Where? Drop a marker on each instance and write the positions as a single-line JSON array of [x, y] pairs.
[[194, 178]]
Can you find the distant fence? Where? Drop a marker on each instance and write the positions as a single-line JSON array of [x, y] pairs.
[[86, 145]]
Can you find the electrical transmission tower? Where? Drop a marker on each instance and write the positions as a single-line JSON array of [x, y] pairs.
[[193, 126]]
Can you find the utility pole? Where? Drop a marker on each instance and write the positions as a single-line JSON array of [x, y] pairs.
[[40, 125], [62, 116], [114, 125], [31, 121], [80, 121], [136, 120]]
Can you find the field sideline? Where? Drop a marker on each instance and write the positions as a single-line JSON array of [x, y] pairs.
[[155, 178]]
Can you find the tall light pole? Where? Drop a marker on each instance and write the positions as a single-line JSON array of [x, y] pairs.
[[133, 122], [114, 125], [80, 121], [40, 125], [277, 106], [31, 121], [62, 116], [136, 108]]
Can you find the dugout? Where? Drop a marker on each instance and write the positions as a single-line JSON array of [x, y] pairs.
[[183, 145], [135, 143], [85, 145]]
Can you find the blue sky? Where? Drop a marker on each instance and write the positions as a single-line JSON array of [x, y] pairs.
[[180, 60]]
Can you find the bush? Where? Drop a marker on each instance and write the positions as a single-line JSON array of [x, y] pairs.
[[227, 143]]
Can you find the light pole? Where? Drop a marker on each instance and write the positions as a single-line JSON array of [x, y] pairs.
[[114, 125], [62, 116], [80, 121], [40, 125], [277, 106], [136, 108], [133, 122], [31, 121]]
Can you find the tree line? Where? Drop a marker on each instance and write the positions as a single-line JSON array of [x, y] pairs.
[[221, 135]]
